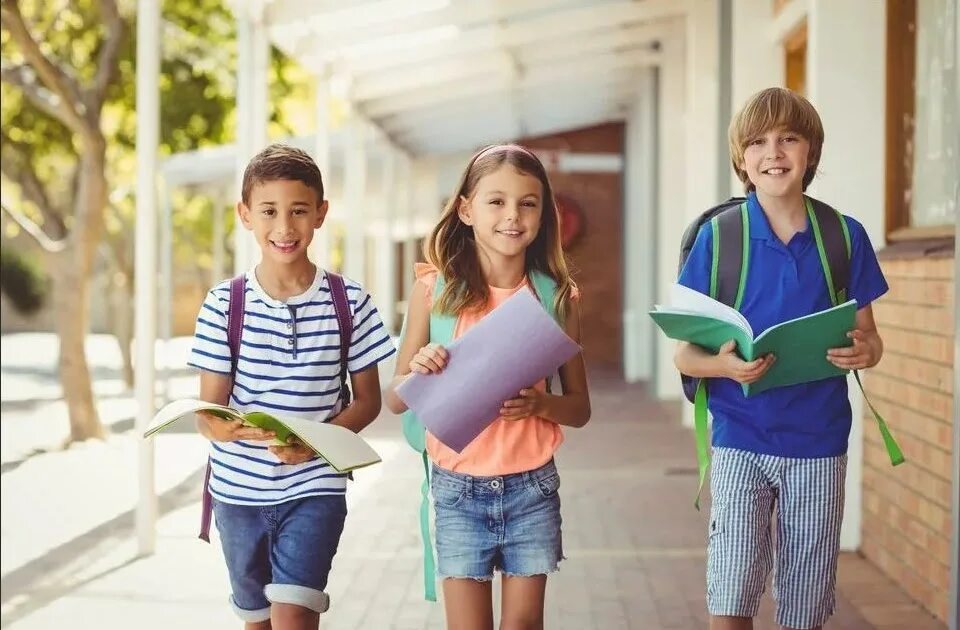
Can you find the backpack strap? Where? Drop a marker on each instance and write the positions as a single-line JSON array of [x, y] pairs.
[[236, 309], [833, 244], [341, 306], [728, 269]]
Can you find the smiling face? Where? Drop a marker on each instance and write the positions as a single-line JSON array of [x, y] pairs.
[[504, 211], [283, 215], [775, 163]]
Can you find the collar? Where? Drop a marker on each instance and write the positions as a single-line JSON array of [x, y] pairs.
[[759, 223], [319, 281]]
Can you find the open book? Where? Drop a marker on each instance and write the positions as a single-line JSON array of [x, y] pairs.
[[800, 345], [342, 448]]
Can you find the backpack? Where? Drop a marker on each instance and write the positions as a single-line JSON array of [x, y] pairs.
[[730, 225], [442, 327], [235, 314]]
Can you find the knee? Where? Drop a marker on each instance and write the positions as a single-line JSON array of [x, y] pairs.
[[293, 616], [532, 621]]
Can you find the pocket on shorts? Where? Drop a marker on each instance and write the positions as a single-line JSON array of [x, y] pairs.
[[717, 520], [548, 486], [447, 492]]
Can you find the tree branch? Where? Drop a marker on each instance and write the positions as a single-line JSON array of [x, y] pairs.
[[31, 187], [23, 77], [107, 59], [69, 106], [34, 230]]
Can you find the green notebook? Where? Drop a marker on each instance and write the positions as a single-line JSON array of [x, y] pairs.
[[343, 449], [800, 344]]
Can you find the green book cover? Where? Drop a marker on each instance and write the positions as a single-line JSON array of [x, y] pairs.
[[342, 448], [800, 345]]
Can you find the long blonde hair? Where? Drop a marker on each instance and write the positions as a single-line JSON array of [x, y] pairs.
[[452, 248]]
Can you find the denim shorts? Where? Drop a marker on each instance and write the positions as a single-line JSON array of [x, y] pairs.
[[509, 522], [280, 553], [806, 494]]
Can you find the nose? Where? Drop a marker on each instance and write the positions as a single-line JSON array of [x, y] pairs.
[[512, 210]]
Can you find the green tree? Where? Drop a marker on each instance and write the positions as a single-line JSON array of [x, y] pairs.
[[68, 118]]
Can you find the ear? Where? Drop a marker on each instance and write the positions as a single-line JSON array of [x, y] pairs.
[[321, 213], [465, 210], [244, 213]]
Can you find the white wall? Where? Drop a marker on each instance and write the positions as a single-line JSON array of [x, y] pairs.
[[845, 53]]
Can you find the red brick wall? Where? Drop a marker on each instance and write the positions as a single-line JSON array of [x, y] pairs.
[[906, 520], [596, 257]]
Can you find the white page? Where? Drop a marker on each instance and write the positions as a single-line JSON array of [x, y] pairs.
[[344, 449], [686, 300], [180, 408]]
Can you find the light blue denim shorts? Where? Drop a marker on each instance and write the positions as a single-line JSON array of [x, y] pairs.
[[509, 523]]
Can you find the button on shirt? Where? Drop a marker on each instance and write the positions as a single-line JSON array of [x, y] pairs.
[[785, 281]]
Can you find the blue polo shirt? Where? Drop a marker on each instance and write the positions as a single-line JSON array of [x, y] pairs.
[[784, 282]]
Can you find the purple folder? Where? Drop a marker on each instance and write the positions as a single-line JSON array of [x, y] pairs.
[[515, 346]]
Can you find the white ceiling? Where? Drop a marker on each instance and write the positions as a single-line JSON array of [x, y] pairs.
[[440, 76]]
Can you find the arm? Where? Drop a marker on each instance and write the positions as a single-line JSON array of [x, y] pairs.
[[867, 348], [572, 408], [365, 406], [416, 351], [215, 388], [694, 361]]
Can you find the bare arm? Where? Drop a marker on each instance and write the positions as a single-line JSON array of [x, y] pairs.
[[693, 360], [572, 407], [365, 406], [416, 351], [215, 388]]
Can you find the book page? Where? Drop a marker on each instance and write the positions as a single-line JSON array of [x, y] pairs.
[[686, 300], [180, 408]]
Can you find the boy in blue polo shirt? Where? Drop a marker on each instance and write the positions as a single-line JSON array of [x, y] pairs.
[[783, 449]]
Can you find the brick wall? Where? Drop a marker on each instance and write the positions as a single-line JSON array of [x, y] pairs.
[[906, 520], [596, 256]]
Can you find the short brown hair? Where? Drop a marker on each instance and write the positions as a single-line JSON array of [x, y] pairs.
[[775, 108], [282, 161]]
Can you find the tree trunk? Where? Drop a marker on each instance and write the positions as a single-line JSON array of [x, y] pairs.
[[72, 291]]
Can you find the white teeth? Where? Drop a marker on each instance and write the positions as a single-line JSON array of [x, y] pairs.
[[510, 232], [776, 171]]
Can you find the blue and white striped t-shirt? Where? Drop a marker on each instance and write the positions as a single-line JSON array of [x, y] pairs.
[[290, 366]]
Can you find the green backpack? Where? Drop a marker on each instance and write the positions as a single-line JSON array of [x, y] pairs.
[[442, 326]]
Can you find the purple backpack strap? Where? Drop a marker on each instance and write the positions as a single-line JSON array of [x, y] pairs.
[[235, 312], [341, 305]]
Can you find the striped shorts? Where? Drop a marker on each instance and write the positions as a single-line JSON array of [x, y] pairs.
[[806, 495]]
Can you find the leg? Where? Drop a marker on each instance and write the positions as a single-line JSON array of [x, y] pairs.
[[468, 604], [246, 550], [522, 602], [306, 536], [466, 548], [808, 540], [739, 548]]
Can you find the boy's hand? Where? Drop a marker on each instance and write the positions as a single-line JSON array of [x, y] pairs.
[[294, 452], [431, 359], [743, 372], [862, 354], [530, 402], [220, 430]]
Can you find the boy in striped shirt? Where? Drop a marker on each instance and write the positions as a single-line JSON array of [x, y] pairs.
[[280, 510]]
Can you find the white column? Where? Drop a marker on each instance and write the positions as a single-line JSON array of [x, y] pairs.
[[148, 136], [386, 256], [671, 195], [355, 194], [639, 223], [757, 61], [166, 285], [845, 40], [410, 253], [218, 267], [320, 247], [253, 53]]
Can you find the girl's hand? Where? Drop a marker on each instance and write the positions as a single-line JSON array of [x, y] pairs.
[[744, 372], [294, 452], [220, 430], [530, 402], [431, 359], [862, 354]]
